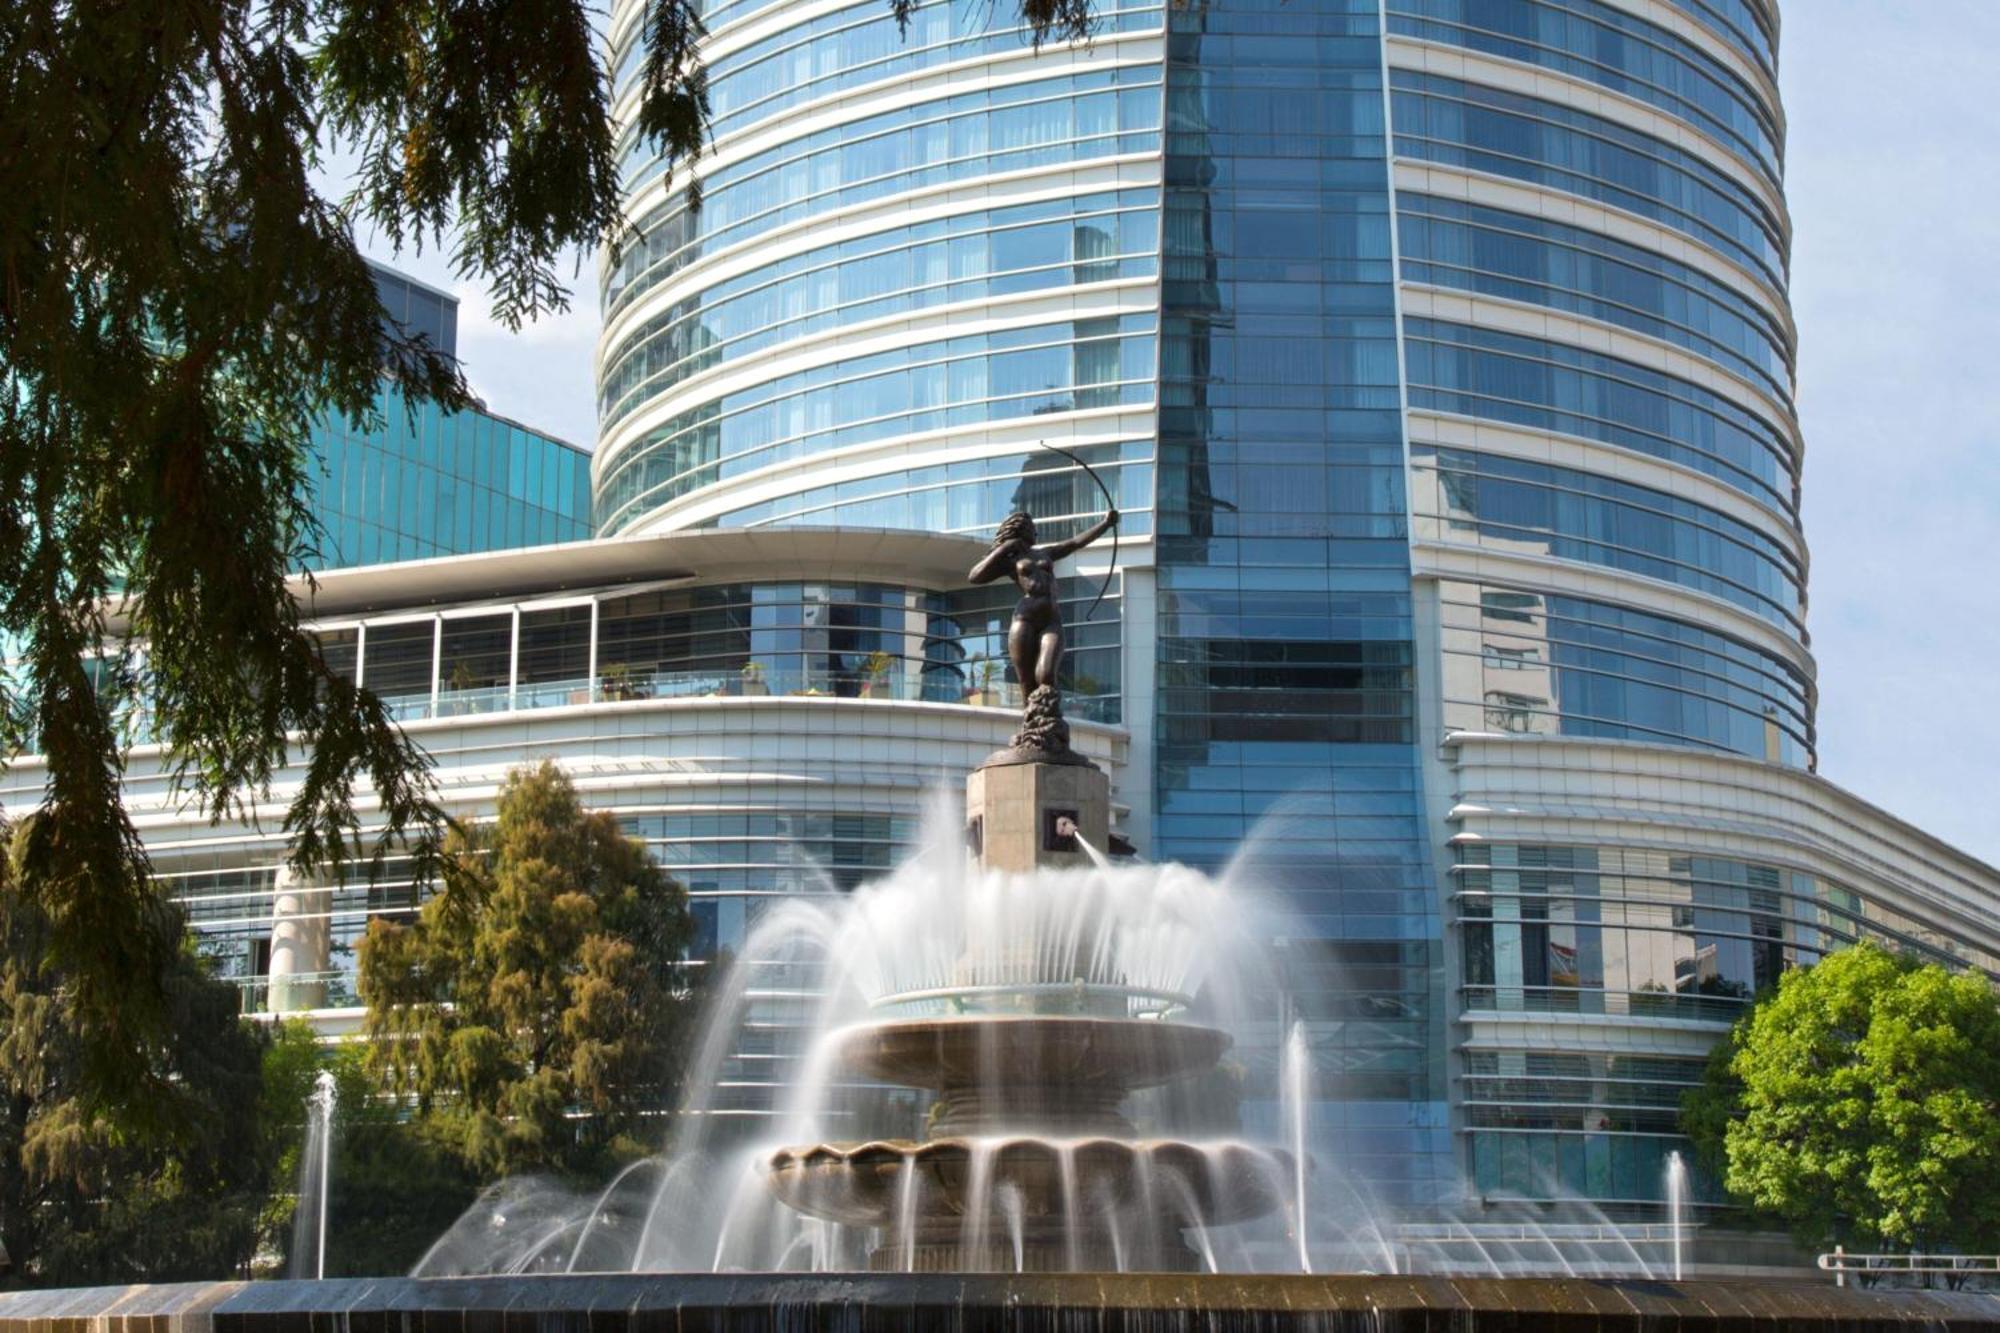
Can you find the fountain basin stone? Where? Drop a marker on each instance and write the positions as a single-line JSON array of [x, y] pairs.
[[958, 1303], [864, 1184]]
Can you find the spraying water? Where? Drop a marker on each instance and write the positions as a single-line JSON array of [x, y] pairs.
[[1677, 1189], [989, 1071], [1295, 1078], [315, 1174]]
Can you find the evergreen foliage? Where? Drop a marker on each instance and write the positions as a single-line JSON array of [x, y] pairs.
[[534, 1013], [1859, 1102], [174, 1189]]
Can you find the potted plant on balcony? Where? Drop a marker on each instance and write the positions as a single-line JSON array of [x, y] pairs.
[[986, 694], [618, 683], [750, 680], [875, 671]]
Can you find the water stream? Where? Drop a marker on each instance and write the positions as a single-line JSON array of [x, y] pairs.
[[1074, 1069]]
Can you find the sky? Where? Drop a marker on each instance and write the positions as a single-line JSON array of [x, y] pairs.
[[1893, 176]]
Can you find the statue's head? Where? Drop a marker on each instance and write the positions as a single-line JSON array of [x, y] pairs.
[[1017, 527]]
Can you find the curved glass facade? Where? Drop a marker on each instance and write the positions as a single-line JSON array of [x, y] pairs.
[[1506, 134], [1497, 253], [1614, 49], [1534, 509], [1630, 933], [1541, 663], [1338, 314], [1565, 390]]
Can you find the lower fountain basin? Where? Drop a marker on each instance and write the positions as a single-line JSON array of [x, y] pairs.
[[893, 1183]]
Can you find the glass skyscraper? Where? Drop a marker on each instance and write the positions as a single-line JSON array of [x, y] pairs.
[[423, 482], [1438, 353]]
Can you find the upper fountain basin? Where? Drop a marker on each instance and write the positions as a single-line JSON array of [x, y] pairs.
[[1108, 1054]]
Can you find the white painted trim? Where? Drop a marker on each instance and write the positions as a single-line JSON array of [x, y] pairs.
[[1457, 62], [1475, 564], [1539, 321]]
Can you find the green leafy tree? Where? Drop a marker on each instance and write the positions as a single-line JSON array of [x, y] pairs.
[[1859, 1102], [168, 1191], [546, 981], [180, 300]]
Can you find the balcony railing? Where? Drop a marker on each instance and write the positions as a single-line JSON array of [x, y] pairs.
[[298, 993], [634, 686], [1588, 1000]]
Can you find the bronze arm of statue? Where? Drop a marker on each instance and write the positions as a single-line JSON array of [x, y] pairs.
[[1035, 638]]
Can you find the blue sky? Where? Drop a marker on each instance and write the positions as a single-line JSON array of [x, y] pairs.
[[1893, 174]]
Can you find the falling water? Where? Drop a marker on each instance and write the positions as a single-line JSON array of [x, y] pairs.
[[1295, 1076], [906, 1211], [940, 944], [1072, 1194], [1677, 1186], [315, 1173]]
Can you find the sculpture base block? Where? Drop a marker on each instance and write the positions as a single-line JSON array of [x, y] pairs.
[[1011, 809]]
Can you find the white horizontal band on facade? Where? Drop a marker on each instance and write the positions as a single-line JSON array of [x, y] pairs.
[[1695, 33], [1505, 315], [991, 314], [1463, 562], [1145, 50], [885, 333], [1456, 62], [1672, 797], [686, 744], [1485, 435], [1076, 429], [1558, 205], [1063, 181]]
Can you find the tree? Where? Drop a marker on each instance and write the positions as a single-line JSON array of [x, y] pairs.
[[178, 301], [533, 1013], [174, 1193], [1859, 1102]]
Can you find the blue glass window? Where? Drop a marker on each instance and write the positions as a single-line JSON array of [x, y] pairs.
[[1614, 49], [1466, 125], [925, 386], [1523, 258], [1532, 508], [904, 269], [1553, 386]]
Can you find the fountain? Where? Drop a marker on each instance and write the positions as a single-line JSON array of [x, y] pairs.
[[981, 1131], [315, 1175]]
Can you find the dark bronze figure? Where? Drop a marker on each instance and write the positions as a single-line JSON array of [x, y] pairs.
[[1035, 638]]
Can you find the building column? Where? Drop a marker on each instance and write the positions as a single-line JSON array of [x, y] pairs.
[[301, 942]]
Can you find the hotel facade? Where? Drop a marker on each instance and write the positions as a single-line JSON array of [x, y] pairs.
[[1438, 356]]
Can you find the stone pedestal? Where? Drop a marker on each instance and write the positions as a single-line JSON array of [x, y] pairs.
[[1011, 811]]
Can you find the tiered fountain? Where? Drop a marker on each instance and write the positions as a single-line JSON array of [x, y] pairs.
[[1038, 996], [1037, 1038], [1031, 1049]]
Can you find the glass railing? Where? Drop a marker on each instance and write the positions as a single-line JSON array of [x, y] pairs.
[[299, 992], [626, 686], [1586, 1000]]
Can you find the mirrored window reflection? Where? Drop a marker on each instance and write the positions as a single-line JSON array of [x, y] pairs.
[[1653, 933], [1543, 664], [1558, 387], [1512, 255], [1512, 505], [1607, 46]]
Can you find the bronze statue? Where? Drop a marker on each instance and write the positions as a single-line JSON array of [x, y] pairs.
[[1035, 638]]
